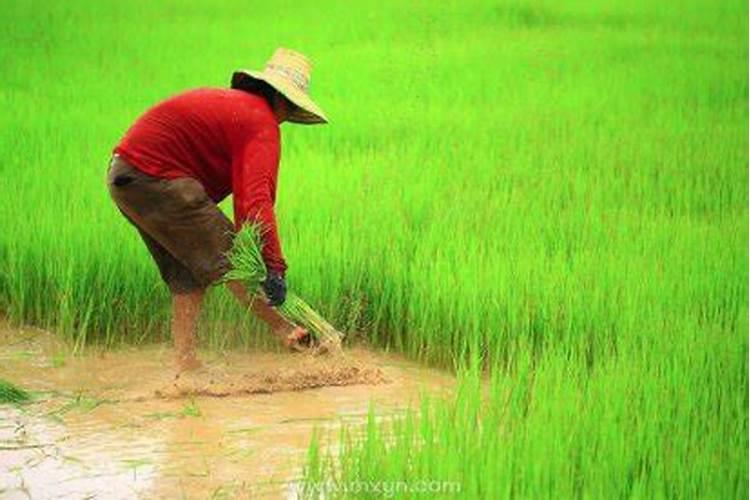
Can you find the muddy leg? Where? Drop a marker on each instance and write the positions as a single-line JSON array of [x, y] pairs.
[[185, 310], [278, 324]]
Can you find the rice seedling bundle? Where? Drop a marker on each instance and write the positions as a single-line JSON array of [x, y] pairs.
[[248, 267]]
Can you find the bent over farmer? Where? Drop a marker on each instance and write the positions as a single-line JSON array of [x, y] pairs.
[[186, 154]]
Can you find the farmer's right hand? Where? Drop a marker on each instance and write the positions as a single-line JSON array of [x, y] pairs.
[[275, 288]]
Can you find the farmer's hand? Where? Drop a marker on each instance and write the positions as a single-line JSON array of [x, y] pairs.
[[275, 288]]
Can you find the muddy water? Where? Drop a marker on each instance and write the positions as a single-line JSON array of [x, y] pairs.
[[120, 424]]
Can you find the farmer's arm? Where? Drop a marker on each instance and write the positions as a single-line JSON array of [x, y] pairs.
[[254, 173]]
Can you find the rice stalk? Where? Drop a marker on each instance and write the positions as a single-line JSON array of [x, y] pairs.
[[248, 267], [10, 393]]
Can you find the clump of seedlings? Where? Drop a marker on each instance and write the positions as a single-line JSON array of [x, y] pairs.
[[248, 267]]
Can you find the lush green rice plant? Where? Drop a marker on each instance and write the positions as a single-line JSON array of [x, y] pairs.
[[248, 266], [10, 393]]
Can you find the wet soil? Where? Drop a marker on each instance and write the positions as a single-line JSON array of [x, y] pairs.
[[123, 424]]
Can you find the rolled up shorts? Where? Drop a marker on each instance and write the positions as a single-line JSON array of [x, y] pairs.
[[184, 230]]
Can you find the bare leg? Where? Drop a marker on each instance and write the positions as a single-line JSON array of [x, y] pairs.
[[278, 324], [185, 310]]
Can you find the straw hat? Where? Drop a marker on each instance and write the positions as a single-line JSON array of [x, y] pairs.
[[288, 72]]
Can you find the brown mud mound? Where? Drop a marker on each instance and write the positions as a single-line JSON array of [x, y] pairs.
[[312, 373]]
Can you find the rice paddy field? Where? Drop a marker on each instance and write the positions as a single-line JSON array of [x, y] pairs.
[[548, 198]]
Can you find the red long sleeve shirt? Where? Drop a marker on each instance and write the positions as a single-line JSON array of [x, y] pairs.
[[228, 140]]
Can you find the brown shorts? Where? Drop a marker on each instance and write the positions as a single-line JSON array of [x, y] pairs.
[[186, 233]]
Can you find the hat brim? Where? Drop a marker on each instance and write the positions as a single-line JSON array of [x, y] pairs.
[[306, 111]]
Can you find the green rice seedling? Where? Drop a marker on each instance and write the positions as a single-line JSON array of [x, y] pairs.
[[191, 409], [79, 402], [58, 359], [10, 393], [248, 266]]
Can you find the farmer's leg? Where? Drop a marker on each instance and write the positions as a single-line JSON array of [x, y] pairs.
[[138, 195], [186, 308], [187, 298]]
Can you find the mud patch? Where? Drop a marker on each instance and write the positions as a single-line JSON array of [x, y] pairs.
[[238, 428]]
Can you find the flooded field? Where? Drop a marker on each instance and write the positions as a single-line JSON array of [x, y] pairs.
[[121, 424]]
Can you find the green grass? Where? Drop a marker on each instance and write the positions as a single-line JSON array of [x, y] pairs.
[[11, 393], [556, 191], [191, 409]]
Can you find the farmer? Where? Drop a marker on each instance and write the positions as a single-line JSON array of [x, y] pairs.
[[186, 154]]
